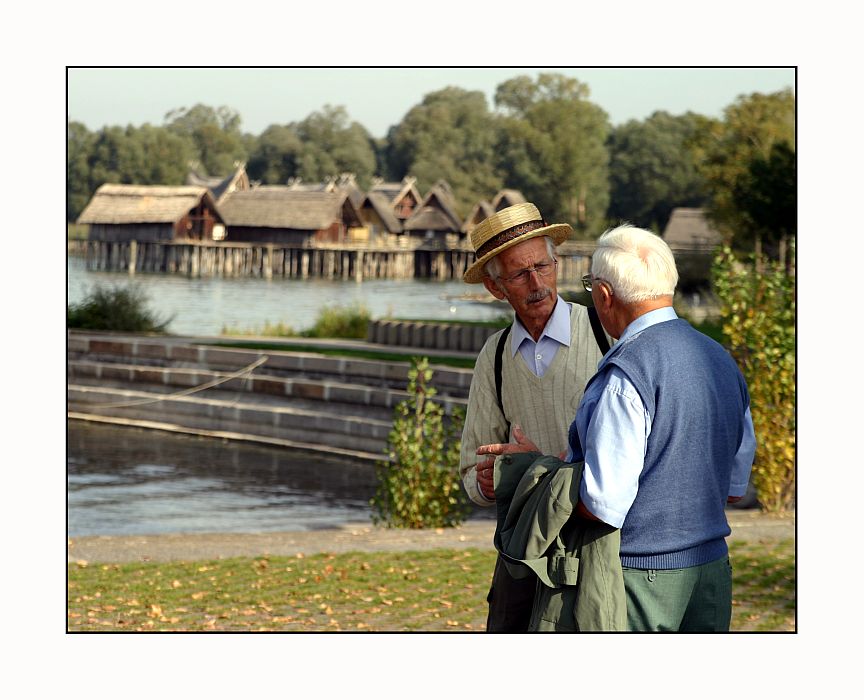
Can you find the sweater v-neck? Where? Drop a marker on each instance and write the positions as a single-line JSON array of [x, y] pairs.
[[555, 364]]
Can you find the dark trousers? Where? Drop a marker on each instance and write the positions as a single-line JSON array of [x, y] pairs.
[[697, 599], [510, 601]]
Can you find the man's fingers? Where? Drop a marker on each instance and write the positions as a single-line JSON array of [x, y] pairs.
[[494, 449]]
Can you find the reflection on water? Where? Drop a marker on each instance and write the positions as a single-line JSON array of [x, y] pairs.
[[125, 481], [203, 306]]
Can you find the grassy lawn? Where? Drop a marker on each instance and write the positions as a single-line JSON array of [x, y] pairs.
[[439, 590]]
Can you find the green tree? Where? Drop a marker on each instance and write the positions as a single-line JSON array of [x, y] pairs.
[[215, 134], [145, 155], [79, 142], [758, 311], [276, 156], [652, 170], [420, 486], [553, 148], [767, 195], [751, 128], [451, 135], [332, 145], [164, 158], [110, 158]]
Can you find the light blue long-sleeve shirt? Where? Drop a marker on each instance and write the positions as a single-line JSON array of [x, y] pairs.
[[538, 355], [614, 436]]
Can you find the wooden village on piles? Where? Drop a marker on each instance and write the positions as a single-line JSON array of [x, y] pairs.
[[236, 227]]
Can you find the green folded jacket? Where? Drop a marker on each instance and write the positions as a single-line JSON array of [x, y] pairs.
[[580, 585]]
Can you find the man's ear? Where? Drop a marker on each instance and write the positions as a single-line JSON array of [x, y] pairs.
[[605, 296], [489, 283]]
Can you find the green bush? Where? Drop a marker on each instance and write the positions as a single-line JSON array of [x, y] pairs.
[[758, 311], [115, 309], [340, 322], [331, 322], [420, 486]]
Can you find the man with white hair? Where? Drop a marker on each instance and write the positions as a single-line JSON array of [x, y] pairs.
[[665, 433]]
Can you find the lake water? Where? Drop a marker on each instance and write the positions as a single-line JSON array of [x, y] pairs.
[[203, 306], [128, 481]]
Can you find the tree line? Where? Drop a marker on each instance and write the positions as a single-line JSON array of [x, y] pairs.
[[544, 137]]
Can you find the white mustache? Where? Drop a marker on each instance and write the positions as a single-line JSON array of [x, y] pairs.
[[539, 295]]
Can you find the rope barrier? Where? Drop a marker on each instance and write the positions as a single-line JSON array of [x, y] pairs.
[[186, 392]]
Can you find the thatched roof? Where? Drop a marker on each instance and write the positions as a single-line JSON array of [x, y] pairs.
[[507, 198], [689, 228], [347, 183], [481, 211], [382, 206], [143, 204], [275, 206], [395, 191], [220, 187], [436, 213]]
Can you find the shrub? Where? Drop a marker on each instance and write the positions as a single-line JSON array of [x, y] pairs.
[[331, 322], [758, 311], [420, 487], [115, 309], [340, 322]]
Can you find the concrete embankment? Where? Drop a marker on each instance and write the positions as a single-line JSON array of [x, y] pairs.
[[284, 397]]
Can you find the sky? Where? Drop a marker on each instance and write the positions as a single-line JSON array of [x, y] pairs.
[[379, 98]]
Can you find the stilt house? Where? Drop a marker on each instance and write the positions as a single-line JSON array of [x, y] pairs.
[[279, 214], [152, 213]]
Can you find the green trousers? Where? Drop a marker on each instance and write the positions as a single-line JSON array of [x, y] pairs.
[[696, 599]]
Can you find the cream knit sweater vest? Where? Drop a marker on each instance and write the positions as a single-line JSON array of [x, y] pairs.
[[544, 406]]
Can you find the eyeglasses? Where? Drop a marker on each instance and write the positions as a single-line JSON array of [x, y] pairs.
[[543, 269], [588, 281]]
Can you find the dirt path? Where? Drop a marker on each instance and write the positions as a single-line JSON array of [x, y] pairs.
[[746, 525]]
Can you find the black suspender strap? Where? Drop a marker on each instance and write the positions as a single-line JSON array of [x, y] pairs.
[[597, 327], [499, 352], [599, 336]]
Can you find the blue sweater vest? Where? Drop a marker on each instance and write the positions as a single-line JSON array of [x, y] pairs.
[[696, 398]]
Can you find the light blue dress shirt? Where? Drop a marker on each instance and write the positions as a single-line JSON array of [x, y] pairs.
[[538, 356], [614, 436]]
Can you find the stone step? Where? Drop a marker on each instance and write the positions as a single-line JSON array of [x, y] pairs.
[[353, 396], [197, 412], [167, 352]]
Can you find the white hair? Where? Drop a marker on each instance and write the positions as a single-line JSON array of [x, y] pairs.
[[637, 263], [492, 268]]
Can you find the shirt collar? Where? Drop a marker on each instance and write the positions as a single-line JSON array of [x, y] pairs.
[[664, 313], [557, 327]]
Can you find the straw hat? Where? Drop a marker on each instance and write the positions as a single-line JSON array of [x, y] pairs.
[[507, 228]]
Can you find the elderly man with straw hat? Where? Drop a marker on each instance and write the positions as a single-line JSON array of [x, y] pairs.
[[528, 378]]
